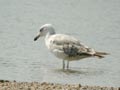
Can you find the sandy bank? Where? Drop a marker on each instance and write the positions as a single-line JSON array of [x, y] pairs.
[[7, 85]]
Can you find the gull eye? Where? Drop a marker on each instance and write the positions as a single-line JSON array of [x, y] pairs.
[[41, 29]]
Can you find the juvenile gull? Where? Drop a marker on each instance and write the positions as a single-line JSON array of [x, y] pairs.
[[66, 47]]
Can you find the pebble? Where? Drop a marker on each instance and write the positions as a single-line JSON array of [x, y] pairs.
[[13, 85]]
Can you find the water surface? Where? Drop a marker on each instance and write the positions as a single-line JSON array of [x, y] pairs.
[[94, 22]]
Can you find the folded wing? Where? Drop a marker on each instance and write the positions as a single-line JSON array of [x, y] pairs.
[[70, 45]]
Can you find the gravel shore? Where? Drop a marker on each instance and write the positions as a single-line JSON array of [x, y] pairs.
[[13, 85]]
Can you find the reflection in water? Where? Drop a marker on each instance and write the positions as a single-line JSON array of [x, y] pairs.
[[84, 71]]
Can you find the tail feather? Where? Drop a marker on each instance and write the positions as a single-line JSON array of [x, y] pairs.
[[100, 54]]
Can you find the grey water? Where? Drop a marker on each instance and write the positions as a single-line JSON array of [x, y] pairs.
[[96, 23]]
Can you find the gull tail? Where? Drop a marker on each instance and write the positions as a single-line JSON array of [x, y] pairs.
[[100, 54]]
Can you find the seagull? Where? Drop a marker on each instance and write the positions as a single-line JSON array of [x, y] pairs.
[[66, 47]]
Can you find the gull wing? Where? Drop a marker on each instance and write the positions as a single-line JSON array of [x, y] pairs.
[[69, 45]]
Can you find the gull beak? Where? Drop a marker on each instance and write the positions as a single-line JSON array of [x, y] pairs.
[[38, 35]]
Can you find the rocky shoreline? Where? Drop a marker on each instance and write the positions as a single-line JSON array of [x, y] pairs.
[[13, 85]]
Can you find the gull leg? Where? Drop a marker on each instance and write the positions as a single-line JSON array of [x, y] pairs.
[[67, 64], [63, 64]]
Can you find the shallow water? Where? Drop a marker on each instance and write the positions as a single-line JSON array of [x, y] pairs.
[[95, 22]]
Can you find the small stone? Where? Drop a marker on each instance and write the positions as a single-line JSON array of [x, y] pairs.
[[79, 85]]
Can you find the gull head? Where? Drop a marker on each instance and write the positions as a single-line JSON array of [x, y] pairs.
[[45, 29]]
